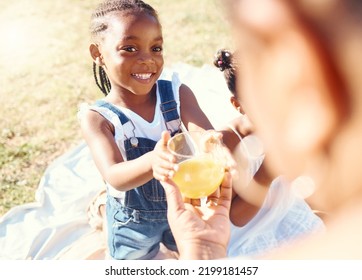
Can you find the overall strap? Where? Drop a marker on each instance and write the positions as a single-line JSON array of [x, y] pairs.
[[128, 126], [169, 106]]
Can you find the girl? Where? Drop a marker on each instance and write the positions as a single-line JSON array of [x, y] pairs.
[[265, 213], [123, 128]]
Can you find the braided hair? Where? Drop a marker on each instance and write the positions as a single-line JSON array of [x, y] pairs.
[[99, 25], [225, 62]]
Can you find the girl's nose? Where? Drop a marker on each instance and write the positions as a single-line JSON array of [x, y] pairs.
[[146, 58]]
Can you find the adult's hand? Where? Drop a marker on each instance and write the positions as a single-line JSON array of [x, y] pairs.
[[201, 232]]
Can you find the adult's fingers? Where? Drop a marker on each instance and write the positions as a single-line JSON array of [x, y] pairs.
[[226, 192], [214, 197], [175, 204]]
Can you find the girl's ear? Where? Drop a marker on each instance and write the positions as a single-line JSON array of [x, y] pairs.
[[96, 54], [236, 104]]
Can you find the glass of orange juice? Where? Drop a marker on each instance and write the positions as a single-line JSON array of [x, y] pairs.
[[201, 163]]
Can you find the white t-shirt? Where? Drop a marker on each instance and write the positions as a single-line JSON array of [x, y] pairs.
[[139, 127]]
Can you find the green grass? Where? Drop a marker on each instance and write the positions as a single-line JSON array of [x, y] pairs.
[[45, 72]]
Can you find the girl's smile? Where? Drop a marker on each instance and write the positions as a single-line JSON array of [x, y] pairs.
[[143, 77]]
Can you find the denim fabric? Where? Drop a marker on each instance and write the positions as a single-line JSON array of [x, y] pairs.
[[138, 225], [136, 234]]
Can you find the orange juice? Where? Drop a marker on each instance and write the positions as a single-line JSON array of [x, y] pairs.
[[199, 177]]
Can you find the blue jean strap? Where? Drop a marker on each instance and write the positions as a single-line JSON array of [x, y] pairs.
[[127, 124], [169, 106], [122, 117]]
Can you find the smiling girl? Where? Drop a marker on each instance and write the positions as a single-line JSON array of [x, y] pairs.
[[123, 128]]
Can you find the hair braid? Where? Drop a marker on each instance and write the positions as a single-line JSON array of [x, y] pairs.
[[102, 77], [106, 85]]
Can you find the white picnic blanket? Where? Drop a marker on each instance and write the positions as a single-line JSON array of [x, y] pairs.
[[57, 221]]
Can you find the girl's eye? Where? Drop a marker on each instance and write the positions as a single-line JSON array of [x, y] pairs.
[[157, 49], [129, 49]]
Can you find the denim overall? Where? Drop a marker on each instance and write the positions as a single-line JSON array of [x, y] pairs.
[[136, 228]]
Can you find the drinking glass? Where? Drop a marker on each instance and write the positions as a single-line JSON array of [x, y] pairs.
[[201, 161]]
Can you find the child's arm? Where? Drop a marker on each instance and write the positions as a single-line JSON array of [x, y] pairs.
[[122, 175], [191, 114], [236, 128]]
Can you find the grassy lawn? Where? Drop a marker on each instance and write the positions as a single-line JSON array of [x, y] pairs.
[[45, 72]]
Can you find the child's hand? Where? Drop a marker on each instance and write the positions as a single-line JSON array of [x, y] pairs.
[[212, 142], [163, 162]]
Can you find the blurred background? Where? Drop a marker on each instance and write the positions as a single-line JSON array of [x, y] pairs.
[[46, 71]]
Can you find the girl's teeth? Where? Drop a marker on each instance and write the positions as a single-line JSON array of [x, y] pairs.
[[142, 76]]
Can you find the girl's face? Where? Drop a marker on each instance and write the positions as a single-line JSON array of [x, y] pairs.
[[131, 51]]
